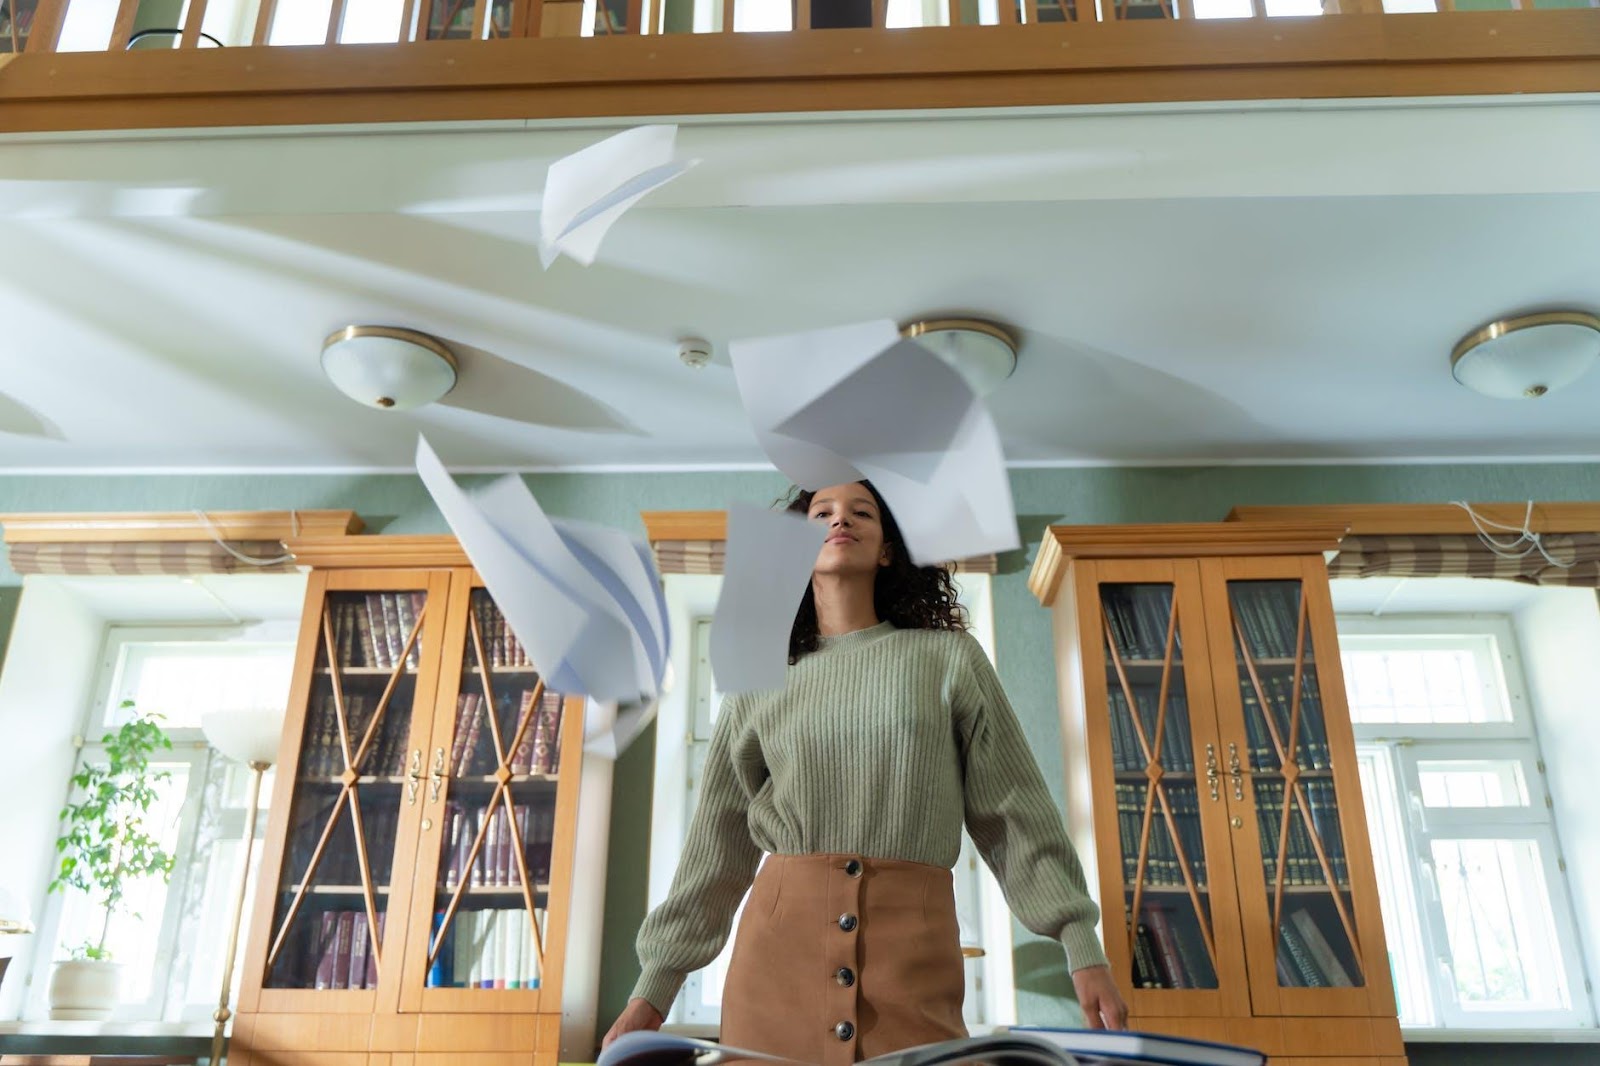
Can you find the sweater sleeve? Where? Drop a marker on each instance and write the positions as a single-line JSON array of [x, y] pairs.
[[1013, 819], [717, 866]]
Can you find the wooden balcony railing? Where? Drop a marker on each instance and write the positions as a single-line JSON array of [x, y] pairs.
[[109, 64]]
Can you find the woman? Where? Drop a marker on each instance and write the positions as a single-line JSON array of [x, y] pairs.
[[891, 732]]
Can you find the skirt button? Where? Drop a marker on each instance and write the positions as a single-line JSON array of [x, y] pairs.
[[844, 1030], [853, 867], [847, 922], [845, 976]]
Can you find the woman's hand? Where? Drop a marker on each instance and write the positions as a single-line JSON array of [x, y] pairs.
[[1098, 996], [638, 1014]]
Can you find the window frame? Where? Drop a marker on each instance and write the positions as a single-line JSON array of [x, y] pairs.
[[1401, 747], [174, 938]]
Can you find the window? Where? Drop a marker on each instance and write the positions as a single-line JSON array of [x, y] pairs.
[[172, 949], [1477, 913], [691, 715]]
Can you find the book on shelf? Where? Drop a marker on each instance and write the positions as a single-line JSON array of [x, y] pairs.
[[1138, 617], [371, 629], [1015, 1046], [1321, 952], [496, 865], [1268, 614], [1175, 746], [1169, 950], [1164, 867], [487, 949], [336, 954]]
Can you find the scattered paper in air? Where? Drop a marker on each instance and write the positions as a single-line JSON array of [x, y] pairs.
[[583, 599], [767, 564], [609, 729], [586, 192], [861, 402]]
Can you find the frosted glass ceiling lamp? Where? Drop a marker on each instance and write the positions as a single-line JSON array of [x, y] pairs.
[[388, 367], [1529, 356], [983, 352]]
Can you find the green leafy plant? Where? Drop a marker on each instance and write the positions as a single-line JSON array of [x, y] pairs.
[[105, 842]]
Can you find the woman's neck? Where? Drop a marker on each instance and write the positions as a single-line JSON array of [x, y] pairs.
[[844, 603]]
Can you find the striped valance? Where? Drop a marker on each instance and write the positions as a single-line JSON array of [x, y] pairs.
[[125, 558], [1576, 555], [706, 557]]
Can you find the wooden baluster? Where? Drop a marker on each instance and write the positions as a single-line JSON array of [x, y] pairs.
[[335, 21], [953, 12], [46, 25], [264, 22], [802, 15], [122, 28], [192, 23]]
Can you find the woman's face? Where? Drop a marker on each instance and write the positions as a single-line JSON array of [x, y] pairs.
[[854, 544]]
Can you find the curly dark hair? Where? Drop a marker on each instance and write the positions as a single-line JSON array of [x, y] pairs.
[[910, 596]]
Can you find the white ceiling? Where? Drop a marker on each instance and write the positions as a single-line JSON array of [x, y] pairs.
[[1273, 283], [1390, 596]]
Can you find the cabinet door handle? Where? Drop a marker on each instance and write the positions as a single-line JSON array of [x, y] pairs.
[[438, 775], [414, 776], [1212, 776], [1236, 771]]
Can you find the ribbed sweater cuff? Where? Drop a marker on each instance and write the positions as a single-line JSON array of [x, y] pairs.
[[660, 986], [1083, 947]]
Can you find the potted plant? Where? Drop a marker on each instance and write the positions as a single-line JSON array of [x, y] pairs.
[[104, 845]]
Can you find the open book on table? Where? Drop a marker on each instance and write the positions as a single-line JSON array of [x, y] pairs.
[[1021, 1046]]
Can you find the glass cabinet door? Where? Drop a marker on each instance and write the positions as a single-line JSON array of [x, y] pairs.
[[1160, 787], [1301, 866], [357, 771], [498, 775]]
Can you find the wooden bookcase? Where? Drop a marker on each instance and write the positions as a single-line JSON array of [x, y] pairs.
[[400, 805], [1214, 787]]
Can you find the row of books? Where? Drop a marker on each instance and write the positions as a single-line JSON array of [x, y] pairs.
[[322, 753], [1177, 745], [1162, 867], [1306, 959], [1138, 616], [1269, 614], [500, 645], [496, 864], [539, 752], [1300, 863], [1168, 950], [330, 949], [339, 864], [486, 949], [1311, 743], [372, 628]]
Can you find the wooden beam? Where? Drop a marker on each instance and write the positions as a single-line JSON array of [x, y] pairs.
[[685, 525], [965, 66], [94, 527], [399, 552], [1382, 519], [1174, 540]]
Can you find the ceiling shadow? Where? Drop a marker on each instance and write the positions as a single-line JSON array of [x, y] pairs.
[[19, 419], [490, 385]]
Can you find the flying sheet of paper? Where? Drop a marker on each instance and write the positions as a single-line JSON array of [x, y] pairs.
[[586, 192], [769, 559], [860, 402], [577, 617]]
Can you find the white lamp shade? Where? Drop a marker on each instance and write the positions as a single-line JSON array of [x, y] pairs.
[[388, 368], [246, 736], [980, 351], [1512, 361]]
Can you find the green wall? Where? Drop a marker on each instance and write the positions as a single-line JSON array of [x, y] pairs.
[[398, 504]]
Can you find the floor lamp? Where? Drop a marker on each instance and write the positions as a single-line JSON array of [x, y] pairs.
[[249, 737]]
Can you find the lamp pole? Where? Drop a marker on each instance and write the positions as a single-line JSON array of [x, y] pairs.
[[257, 770]]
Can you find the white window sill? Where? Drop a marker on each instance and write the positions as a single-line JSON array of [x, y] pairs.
[[1500, 1036], [108, 1028]]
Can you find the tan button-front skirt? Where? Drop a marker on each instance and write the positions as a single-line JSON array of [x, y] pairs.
[[839, 958]]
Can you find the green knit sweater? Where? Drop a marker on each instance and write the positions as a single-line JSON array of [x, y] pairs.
[[883, 743]]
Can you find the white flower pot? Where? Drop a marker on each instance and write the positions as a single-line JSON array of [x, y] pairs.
[[84, 990]]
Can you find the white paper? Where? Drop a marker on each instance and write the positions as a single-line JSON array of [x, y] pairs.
[[588, 628], [860, 402], [586, 192], [766, 566]]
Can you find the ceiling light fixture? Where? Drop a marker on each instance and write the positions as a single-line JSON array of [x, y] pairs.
[[981, 351], [1528, 356], [389, 367]]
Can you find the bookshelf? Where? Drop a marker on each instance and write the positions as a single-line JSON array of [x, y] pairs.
[[1213, 785], [418, 862]]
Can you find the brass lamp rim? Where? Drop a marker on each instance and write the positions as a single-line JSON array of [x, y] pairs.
[[913, 330], [398, 333], [1503, 326]]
